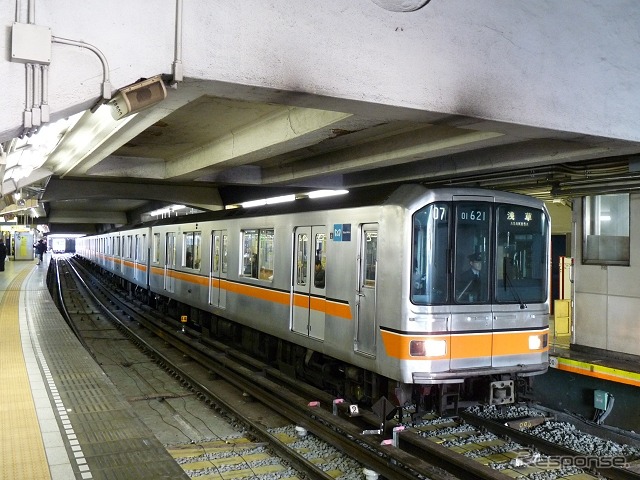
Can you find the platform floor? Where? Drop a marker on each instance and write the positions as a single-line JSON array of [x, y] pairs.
[[61, 418]]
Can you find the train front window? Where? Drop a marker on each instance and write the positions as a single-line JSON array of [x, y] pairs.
[[521, 269], [472, 243], [430, 254]]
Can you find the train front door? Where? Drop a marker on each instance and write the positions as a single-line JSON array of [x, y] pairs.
[[365, 325], [308, 296], [218, 275]]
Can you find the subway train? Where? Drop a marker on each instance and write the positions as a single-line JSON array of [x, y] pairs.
[[420, 295]]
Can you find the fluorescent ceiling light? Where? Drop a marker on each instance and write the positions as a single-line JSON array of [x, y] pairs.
[[326, 193], [282, 199], [254, 203], [166, 210]]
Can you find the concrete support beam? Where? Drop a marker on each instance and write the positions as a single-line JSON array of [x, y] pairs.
[[206, 198], [87, 216], [284, 130]]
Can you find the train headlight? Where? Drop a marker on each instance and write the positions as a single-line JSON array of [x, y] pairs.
[[427, 348], [536, 342]]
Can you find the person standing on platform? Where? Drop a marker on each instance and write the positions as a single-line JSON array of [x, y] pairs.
[[41, 247], [3, 254]]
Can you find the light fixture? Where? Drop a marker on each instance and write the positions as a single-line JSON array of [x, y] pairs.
[[326, 193], [137, 96]]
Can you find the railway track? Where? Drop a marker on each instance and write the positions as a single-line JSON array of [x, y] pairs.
[[472, 447]]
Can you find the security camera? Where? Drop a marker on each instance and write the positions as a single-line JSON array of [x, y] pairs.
[[138, 96]]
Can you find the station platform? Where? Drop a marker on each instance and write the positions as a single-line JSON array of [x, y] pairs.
[[578, 377], [61, 418], [592, 362]]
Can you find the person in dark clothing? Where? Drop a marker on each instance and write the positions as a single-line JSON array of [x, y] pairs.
[[318, 278], [469, 283], [41, 248], [3, 254]]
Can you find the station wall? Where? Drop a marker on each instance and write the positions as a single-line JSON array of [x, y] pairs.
[[607, 297]]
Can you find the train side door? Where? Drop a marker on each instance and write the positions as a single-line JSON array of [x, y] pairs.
[[137, 250], [307, 302], [117, 252], [170, 262], [217, 292], [365, 325]]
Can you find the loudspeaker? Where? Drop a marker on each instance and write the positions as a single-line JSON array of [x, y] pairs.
[[138, 96]]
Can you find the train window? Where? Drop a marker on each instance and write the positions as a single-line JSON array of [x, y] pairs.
[[170, 257], [128, 253], [302, 260], [266, 255], [141, 240], [156, 248], [116, 246], [215, 258], [605, 236], [219, 252], [521, 262], [250, 253], [370, 258], [225, 242], [258, 253], [472, 241], [192, 253], [430, 254], [320, 246]]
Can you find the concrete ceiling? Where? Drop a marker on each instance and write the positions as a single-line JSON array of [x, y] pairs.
[[209, 151]]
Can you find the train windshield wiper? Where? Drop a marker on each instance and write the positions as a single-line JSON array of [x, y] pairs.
[[507, 282]]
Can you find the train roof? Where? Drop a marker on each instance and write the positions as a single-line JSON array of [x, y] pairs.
[[358, 197]]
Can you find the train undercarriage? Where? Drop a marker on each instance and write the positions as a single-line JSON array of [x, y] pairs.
[[353, 384]]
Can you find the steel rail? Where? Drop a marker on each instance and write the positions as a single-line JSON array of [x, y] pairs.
[[292, 457]]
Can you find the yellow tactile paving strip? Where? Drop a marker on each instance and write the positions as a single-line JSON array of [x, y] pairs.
[[21, 446]]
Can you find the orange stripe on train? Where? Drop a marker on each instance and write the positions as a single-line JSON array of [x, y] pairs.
[[464, 345], [333, 308], [320, 304]]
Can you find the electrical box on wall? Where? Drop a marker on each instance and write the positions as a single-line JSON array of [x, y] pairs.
[[600, 399], [30, 43]]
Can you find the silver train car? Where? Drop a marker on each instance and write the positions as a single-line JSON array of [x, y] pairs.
[[420, 294]]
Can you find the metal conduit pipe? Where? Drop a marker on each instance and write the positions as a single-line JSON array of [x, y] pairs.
[[106, 85], [31, 15], [44, 107], [37, 92], [557, 181], [27, 121], [177, 60], [588, 172]]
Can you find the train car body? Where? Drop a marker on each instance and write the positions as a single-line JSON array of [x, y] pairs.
[[382, 287]]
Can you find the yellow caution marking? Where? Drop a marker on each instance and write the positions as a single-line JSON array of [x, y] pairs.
[[244, 473], [599, 371], [285, 438], [22, 453], [195, 450], [218, 462]]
